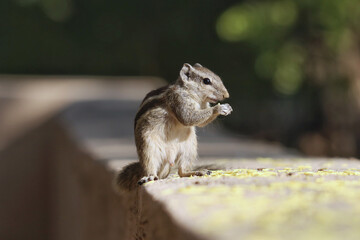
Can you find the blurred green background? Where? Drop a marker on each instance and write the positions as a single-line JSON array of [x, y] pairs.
[[292, 67]]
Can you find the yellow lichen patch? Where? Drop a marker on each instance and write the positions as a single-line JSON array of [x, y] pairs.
[[317, 207], [266, 172], [244, 173], [301, 168], [296, 202], [309, 173]]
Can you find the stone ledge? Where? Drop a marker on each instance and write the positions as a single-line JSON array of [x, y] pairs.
[[65, 194], [27, 101], [267, 199], [74, 198], [56, 183]]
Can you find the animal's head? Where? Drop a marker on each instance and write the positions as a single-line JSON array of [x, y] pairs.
[[207, 85]]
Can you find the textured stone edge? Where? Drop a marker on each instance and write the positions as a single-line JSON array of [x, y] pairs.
[[65, 193]]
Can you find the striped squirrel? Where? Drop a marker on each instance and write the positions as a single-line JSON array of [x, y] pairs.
[[165, 126]]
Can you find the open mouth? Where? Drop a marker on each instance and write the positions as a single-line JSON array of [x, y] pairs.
[[213, 100]]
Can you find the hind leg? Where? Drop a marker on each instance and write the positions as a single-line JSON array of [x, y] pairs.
[[151, 161], [187, 157], [165, 170], [186, 171]]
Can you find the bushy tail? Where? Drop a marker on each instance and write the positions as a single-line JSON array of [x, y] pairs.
[[127, 178]]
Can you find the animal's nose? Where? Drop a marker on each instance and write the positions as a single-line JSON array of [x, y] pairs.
[[226, 95]]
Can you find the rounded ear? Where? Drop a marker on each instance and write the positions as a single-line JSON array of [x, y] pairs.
[[197, 65], [185, 71]]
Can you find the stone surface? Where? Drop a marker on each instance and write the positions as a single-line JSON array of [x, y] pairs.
[[53, 189], [28, 129], [56, 180], [267, 199]]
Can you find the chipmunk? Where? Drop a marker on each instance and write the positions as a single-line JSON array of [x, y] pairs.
[[165, 126]]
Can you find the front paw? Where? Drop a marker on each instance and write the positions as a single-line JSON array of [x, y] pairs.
[[147, 179], [225, 109]]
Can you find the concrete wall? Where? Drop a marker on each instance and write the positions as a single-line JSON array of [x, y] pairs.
[[53, 189]]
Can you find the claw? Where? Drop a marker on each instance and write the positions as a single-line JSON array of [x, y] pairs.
[[141, 182], [147, 179]]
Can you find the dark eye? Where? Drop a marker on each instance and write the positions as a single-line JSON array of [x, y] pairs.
[[206, 81]]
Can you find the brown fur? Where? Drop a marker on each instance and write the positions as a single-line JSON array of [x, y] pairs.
[[128, 177], [165, 126]]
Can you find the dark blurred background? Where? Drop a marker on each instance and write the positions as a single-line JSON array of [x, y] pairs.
[[292, 67]]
